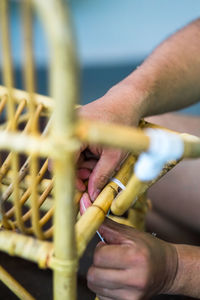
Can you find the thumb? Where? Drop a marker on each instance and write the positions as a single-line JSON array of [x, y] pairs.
[[110, 231], [104, 169]]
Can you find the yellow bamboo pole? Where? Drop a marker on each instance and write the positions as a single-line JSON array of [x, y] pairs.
[[18, 95], [14, 286], [94, 216], [127, 138], [3, 102], [30, 87], [134, 189], [26, 247], [63, 77], [27, 194], [6, 165], [9, 82]]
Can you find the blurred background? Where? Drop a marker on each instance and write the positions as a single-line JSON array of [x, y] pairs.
[[113, 37]]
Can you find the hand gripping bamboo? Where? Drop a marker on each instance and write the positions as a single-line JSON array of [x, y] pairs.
[[39, 203]]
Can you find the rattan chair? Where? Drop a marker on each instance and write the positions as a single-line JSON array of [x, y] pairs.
[[39, 207]]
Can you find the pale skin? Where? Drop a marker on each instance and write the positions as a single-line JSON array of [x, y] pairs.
[[135, 265]]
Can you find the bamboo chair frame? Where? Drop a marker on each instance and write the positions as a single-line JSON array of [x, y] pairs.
[[30, 198]]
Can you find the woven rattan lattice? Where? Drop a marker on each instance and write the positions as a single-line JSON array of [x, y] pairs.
[[38, 207]]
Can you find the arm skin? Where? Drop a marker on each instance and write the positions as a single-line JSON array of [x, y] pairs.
[[187, 280], [166, 81], [136, 265]]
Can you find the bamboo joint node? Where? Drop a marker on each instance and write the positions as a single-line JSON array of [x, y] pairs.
[[68, 267], [62, 144]]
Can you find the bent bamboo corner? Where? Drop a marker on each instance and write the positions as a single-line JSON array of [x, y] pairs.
[[39, 138], [131, 139]]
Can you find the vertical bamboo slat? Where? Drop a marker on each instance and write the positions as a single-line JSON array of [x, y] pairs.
[[9, 82], [63, 83], [14, 286], [30, 87], [61, 255]]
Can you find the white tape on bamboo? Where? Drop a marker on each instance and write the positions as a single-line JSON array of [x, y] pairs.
[[118, 182], [164, 147]]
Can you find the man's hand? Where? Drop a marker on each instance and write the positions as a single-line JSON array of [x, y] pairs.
[[96, 163], [131, 265], [164, 82]]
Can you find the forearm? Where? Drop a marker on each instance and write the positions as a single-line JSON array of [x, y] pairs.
[[187, 281], [168, 79]]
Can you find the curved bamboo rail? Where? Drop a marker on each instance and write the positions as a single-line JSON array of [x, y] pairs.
[[26, 182]]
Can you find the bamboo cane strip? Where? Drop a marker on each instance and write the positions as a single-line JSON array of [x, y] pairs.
[[30, 86], [5, 167], [191, 143], [30, 145], [8, 78], [47, 102], [29, 63], [35, 215], [3, 103], [95, 214], [22, 119], [6, 53], [23, 185], [135, 188], [26, 195], [128, 138], [144, 124], [3, 220], [24, 169], [26, 247], [49, 233], [42, 198], [14, 286], [19, 110], [46, 217], [21, 175], [64, 86]]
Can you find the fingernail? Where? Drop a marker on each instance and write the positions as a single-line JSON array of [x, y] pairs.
[[95, 194]]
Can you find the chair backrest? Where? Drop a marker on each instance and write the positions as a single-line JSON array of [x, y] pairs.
[[34, 127]]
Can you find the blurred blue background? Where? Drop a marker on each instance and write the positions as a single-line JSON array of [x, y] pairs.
[[113, 38]]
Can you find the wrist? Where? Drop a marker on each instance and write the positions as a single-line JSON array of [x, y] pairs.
[[171, 269], [134, 94], [186, 281]]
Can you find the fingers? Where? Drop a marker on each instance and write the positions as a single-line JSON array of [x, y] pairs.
[[84, 203], [105, 278], [83, 174], [111, 236], [80, 185], [111, 290], [115, 233], [112, 256], [103, 298], [102, 172], [88, 164]]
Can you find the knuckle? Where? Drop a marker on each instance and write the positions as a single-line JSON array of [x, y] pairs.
[[91, 276], [145, 255], [102, 179], [142, 255], [143, 283], [96, 258]]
